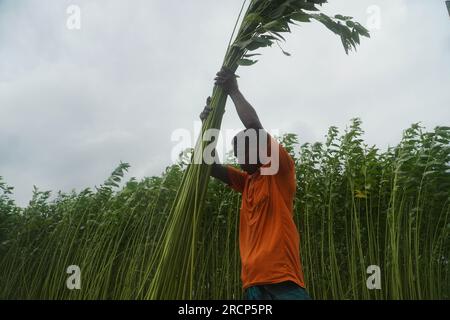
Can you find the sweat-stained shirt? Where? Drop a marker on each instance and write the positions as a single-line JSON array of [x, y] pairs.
[[268, 237]]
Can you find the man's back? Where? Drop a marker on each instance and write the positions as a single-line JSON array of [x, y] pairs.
[[269, 239]]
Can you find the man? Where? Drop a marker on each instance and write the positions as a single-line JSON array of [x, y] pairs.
[[268, 237]]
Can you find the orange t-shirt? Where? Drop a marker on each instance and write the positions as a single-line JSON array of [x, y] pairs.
[[268, 237]]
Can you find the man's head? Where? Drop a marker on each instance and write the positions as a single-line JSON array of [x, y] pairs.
[[246, 148]]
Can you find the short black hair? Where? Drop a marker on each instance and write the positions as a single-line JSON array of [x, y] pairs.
[[247, 141]]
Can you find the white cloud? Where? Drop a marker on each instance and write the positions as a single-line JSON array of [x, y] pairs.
[[75, 103]]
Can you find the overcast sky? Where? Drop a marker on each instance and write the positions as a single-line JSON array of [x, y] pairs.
[[74, 103]]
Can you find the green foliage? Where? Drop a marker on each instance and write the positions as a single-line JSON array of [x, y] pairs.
[[265, 21], [355, 206]]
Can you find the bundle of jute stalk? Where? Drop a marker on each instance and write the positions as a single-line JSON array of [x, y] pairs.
[[175, 265]]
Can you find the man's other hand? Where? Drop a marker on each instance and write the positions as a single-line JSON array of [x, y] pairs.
[[205, 113]]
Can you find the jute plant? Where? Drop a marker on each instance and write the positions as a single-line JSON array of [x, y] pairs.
[[356, 205], [261, 26]]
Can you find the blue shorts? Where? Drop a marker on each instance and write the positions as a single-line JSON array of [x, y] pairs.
[[277, 291]]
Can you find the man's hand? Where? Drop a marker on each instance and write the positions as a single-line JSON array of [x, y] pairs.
[[205, 113], [227, 80], [218, 171]]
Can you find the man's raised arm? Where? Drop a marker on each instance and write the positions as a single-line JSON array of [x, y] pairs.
[[218, 170], [227, 80]]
